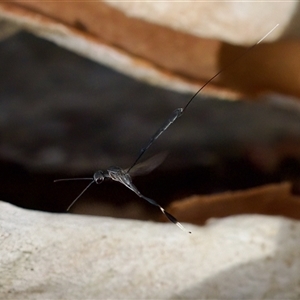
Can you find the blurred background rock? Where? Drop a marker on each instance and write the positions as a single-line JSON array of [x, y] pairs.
[[62, 115]]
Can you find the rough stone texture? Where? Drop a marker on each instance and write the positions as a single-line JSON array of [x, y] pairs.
[[55, 256]]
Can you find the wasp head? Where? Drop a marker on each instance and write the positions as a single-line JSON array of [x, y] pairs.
[[98, 177]]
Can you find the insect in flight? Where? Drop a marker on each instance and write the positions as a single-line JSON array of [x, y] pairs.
[[124, 175]]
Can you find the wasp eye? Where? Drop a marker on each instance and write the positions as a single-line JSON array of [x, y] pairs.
[[98, 177], [99, 180]]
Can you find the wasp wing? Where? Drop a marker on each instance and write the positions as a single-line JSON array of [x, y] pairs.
[[148, 165]]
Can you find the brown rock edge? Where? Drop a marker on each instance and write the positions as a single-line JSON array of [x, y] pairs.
[[175, 59], [273, 199]]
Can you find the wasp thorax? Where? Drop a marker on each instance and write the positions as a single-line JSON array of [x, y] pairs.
[[98, 176]]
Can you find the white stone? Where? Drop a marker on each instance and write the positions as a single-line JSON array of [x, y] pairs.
[[63, 256], [238, 22]]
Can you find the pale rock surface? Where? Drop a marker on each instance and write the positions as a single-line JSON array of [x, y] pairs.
[[239, 22], [92, 49], [59, 256]]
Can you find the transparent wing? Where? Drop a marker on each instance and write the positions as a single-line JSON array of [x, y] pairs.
[[174, 116], [148, 165]]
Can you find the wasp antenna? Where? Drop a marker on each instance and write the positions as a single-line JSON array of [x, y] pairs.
[[70, 179], [179, 111], [226, 67], [80, 195], [268, 33]]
